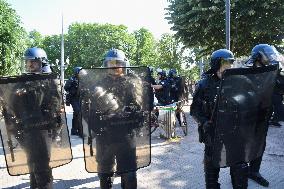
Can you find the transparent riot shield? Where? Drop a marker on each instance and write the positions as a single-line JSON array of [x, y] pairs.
[[115, 117], [33, 123], [242, 113]]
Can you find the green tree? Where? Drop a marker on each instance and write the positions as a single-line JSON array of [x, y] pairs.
[[12, 40], [35, 39], [200, 23], [145, 51], [87, 43], [169, 51], [52, 46]]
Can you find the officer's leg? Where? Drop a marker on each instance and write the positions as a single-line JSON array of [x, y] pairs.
[[178, 114], [129, 180], [105, 159], [33, 184], [37, 148], [211, 172], [254, 173], [44, 179], [239, 176], [75, 121], [277, 105], [126, 160], [105, 180]]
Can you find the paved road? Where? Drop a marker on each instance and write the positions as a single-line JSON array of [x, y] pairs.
[[174, 165]]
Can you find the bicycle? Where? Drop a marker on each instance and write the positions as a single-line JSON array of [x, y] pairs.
[[164, 117]]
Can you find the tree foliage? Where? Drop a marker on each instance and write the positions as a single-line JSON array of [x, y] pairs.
[[200, 23], [145, 48], [87, 43], [35, 39], [12, 40]]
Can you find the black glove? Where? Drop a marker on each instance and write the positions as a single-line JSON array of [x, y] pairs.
[[201, 134], [207, 129]]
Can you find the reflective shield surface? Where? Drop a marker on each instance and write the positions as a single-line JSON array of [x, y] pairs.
[[115, 116], [242, 114], [33, 123]]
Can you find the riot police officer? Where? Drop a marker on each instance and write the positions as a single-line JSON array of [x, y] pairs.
[[262, 55], [162, 89], [73, 98], [202, 110], [176, 85], [33, 141], [176, 91], [116, 95]]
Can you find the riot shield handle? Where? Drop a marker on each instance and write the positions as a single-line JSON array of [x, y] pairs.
[[10, 144], [9, 141]]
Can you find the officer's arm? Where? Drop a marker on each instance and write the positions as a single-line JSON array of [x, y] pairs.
[[68, 85], [157, 86], [196, 108]]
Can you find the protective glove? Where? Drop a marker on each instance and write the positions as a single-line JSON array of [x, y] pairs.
[[207, 129]]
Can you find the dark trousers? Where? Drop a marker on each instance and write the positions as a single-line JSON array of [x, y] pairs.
[[128, 180], [278, 107], [123, 152], [239, 173], [76, 121], [254, 165], [35, 144]]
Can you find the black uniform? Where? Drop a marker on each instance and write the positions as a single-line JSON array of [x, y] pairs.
[[202, 108], [73, 98], [115, 136], [277, 101], [34, 133], [163, 95]]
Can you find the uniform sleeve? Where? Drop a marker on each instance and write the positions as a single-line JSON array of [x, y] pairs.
[[68, 84], [196, 108]]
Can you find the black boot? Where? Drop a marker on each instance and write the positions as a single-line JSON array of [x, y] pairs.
[[105, 181], [256, 176], [211, 175], [44, 179], [129, 180], [33, 184], [239, 176]]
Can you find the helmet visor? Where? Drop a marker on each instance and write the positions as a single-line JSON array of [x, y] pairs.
[[115, 63], [227, 61], [32, 66]]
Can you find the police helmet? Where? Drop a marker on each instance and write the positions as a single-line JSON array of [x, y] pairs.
[[266, 54], [35, 61], [172, 72], [115, 58], [76, 70], [161, 72], [218, 58]]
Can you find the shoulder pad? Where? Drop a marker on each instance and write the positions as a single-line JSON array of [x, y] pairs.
[[203, 83]]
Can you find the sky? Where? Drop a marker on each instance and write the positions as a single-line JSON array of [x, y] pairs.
[[45, 16]]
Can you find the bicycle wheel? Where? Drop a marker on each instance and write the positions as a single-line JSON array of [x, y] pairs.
[[154, 123], [183, 123]]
